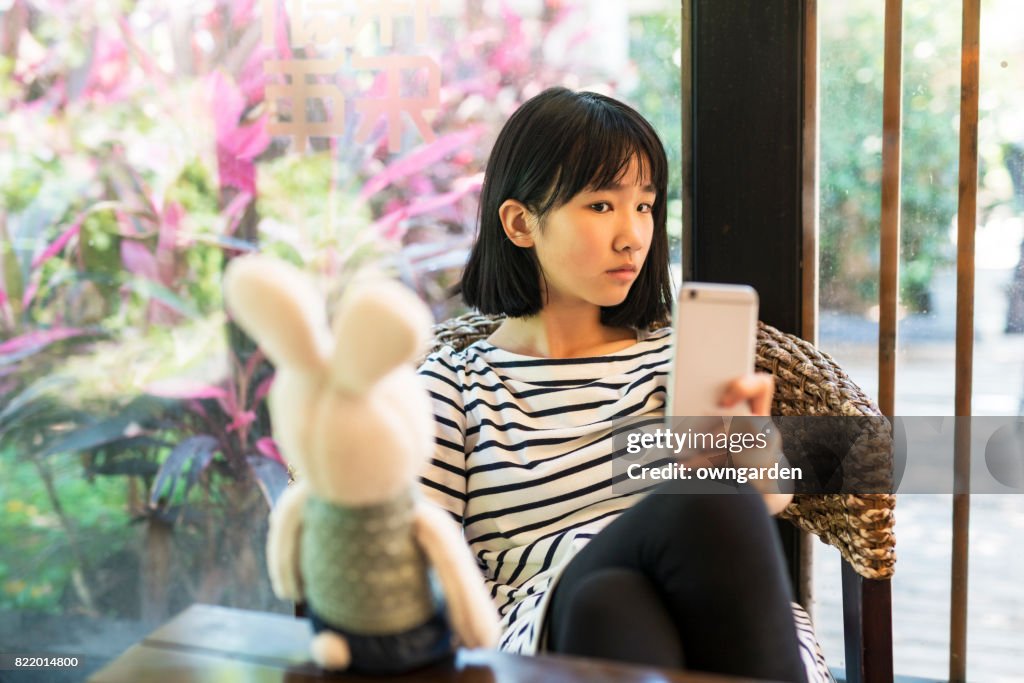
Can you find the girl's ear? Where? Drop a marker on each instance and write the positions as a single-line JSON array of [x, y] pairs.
[[518, 222]]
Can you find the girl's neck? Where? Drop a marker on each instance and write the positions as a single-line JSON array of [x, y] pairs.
[[573, 333]]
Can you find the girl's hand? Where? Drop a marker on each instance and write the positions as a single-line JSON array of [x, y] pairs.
[[756, 389]]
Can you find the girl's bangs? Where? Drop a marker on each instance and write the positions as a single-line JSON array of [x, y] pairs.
[[614, 174], [601, 159]]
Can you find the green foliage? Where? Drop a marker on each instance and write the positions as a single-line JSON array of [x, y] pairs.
[[294, 192], [195, 190], [37, 564], [23, 178], [100, 249], [851, 144], [655, 44]]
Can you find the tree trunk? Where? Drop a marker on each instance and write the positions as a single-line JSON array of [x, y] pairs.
[[156, 571]]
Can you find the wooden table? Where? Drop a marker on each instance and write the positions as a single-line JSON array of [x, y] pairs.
[[207, 643]]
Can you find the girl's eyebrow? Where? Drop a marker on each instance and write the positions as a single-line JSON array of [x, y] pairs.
[[618, 186]]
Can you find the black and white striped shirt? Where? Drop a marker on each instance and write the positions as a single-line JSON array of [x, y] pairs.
[[523, 461]]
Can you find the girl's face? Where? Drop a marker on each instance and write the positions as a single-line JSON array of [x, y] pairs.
[[591, 249]]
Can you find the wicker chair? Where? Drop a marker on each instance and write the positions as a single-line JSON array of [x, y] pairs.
[[809, 382]]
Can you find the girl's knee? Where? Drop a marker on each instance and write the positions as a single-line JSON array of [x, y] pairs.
[[598, 596], [616, 613]]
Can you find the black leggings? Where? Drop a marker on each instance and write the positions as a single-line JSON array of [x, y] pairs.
[[682, 580]]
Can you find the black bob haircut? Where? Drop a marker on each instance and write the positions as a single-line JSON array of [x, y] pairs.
[[554, 146]]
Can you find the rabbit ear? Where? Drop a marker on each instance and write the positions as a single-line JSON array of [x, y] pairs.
[[279, 307], [379, 326]]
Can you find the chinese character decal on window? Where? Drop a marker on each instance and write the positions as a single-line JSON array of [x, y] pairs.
[[306, 100]]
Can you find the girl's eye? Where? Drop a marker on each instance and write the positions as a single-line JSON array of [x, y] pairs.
[[645, 208], [601, 207]]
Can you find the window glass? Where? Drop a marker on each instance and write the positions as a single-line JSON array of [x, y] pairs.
[[851, 112], [145, 144]]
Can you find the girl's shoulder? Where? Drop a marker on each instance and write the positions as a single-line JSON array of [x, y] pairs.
[[481, 369], [444, 357], [481, 359], [662, 331], [453, 362], [482, 352]]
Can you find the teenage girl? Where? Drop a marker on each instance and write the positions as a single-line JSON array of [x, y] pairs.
[[572, 249]]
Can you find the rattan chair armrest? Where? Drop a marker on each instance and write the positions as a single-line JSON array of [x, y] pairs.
[[808, 382]]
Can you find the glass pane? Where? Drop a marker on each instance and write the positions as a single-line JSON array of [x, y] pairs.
[[851, 73], [145, 144], [996, 609]]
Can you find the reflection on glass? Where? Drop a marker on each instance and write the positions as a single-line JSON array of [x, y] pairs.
[[143, 146]]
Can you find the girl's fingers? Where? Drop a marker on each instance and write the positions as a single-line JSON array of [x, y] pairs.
[[757, 389]]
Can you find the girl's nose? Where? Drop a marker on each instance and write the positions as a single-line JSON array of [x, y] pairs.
[[630, 235]]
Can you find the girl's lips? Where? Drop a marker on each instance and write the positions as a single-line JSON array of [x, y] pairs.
[[627, 273]]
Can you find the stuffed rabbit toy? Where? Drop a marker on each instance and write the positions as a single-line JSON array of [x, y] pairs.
[[351, 537]]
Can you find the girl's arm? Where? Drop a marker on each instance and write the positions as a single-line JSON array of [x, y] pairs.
[[444, 477]]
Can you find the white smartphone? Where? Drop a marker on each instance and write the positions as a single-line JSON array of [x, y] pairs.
[[715, 330]]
